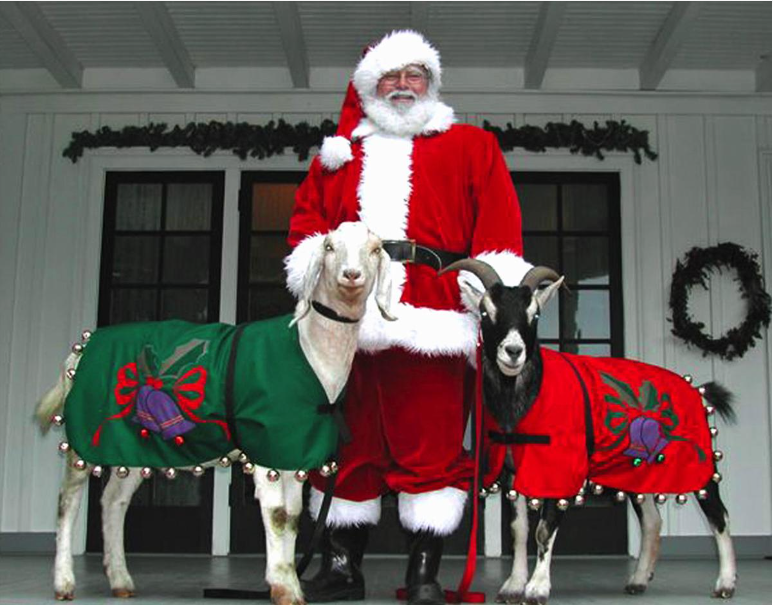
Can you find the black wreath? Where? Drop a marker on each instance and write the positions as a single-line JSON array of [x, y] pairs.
[[695, 271]]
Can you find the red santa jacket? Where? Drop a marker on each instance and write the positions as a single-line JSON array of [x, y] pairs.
[[447, 188], [640, 429]]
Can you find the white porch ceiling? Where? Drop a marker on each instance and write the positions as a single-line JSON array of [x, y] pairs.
[[657, 40]]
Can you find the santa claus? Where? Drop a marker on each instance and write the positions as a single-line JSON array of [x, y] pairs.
[[434, 191]]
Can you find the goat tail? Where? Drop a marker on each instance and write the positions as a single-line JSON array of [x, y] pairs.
[[53, 401], [721, 398]]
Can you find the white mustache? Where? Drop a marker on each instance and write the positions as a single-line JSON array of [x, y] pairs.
[[402, 94]]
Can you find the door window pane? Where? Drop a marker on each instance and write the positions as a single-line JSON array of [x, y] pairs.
[[132, 305], [541, 250], [188, 206], [272, 205], [267, 253], [135, 259], [539, 206], [586, 260], [585, 207], [186, 259], [585, 314], [185, 303], [138, 207]]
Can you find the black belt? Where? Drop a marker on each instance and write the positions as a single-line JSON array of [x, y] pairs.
[[408, 251]]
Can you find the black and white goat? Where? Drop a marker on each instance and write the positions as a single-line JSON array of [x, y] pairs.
[[514, 375], [345, 267]]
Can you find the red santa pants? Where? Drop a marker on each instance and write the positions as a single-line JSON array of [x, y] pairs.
[[407, 415]]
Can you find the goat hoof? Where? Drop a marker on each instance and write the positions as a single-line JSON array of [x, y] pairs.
[[123, 593], [723, 593], [281, 595], [540, 600], [511, 598], [65, 595], [635, 588]]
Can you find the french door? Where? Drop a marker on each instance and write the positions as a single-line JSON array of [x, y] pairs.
[[161, 251]]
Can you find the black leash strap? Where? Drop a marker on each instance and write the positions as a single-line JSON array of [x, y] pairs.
[[344, 434], [230, 383], [589, 440], [518, 438]]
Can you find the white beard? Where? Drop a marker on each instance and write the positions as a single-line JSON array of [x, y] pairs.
[[401, 120]]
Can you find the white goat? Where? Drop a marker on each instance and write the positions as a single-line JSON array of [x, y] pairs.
[[556, 420], [344, 267]]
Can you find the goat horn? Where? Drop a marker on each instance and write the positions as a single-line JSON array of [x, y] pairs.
[[483, 271], [536, 275]]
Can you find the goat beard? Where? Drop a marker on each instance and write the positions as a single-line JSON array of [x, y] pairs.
[[508, 398], [398, 119]]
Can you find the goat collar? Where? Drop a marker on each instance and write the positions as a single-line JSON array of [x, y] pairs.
[[331, 314]]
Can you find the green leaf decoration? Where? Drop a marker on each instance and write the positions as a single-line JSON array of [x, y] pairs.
[[616, 422], [626, 394], [648, 395], [673, 420], [617, 442], [185, 355], [147, 362], [699, 451]]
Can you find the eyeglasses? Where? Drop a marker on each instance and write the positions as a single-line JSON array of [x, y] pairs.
[[414, 75]]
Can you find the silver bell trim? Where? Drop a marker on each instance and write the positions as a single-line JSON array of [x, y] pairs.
[[661, 498], [122, 472], [225, 462], [79, 464], [640, 498], [709, 410], [273, 475], [198, 470], [243, 458], [718, 455], [70, 373], [598, 489], [579, 500], [681, 499], [620, 496], [716, 477], [688, 378], [703, 494], [702, 390], [97, 471], [494, 488], [57, 420], [77, 348], [483, 493], [146, 472], [563, 504], [330, 468], [85, 335], [248, 468], [511, 495], [170, 473], [535, 503], [301, 476], [64, 447]]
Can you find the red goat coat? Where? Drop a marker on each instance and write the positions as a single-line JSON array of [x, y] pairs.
[[648, 425]]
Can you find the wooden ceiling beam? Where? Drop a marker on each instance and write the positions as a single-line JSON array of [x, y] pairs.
[[289, 20], [551, 14], [159, 25], [31, 24], [667, 43]]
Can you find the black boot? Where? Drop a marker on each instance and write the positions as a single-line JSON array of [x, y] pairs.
[[339, 577], [424, 552]]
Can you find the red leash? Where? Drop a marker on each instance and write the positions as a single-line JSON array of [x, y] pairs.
[[462, 594]]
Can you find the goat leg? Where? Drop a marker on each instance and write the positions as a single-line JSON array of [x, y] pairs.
[[70, 495], [513, 588]]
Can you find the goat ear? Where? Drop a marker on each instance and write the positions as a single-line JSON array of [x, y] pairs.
[[471, 296], [544, 296], [384, 287], [309, 282]]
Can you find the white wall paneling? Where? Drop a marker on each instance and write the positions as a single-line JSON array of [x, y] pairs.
[[711, 183]]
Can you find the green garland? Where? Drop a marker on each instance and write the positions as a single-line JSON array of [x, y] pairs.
[[251, 140], [695, 271]]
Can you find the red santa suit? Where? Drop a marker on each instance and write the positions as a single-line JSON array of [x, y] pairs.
[[445, 186]]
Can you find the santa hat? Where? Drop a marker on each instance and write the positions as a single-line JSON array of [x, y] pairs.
[[394, 51]]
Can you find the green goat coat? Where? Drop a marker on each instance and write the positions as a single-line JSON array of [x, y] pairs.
[[153, 394]]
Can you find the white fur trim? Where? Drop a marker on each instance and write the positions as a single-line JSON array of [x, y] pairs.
[[335, 152], [299, 260], [346, 513], [420, 330], [395, 51], [510, 267], [439, 511], [385, 185], [442, 119]]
